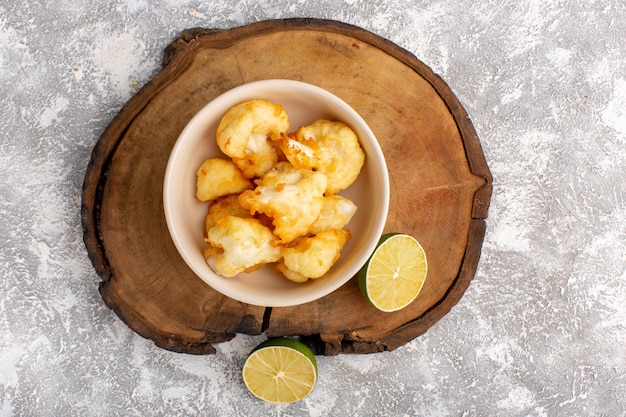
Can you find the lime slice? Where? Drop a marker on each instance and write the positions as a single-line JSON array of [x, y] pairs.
[[395, 273], [280, 370]]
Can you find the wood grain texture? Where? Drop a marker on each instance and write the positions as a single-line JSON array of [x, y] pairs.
[[440, 186]]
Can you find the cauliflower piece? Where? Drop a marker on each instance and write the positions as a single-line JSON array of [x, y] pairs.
[[223, 206], [240, 245], [243, 134], [291, 197], [218, 177], [336, 213], [289, 274], [301, 153], [312, 257], [330, 147]]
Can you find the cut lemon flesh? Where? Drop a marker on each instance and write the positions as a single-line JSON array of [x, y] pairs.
[[395, 273], [280, 370]]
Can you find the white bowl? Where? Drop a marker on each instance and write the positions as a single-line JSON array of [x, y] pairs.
[[185, 215]]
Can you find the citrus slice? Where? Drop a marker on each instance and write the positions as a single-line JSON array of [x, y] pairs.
[[395, 273], [280, 370]]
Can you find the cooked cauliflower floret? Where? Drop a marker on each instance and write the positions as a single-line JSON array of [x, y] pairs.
[[244, 131], [327, 146], [218, 177], [291, 197], [223, 206], [313, 256], [301, 153], [336, 213], [241, 245]]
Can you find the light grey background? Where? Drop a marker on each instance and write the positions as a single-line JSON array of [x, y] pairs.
[[541, 329]]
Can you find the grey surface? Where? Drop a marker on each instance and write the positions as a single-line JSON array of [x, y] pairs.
[[539, 332]]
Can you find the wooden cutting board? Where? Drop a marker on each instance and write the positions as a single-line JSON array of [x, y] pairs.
[[440, 186]]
